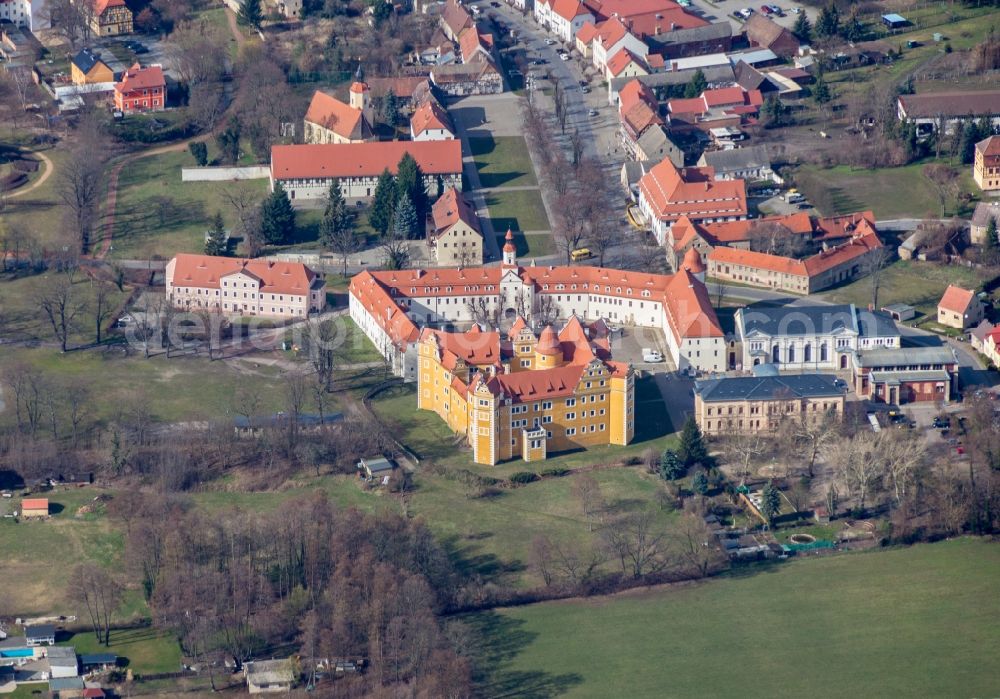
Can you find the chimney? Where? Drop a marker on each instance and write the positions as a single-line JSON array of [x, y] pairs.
[[673, 65]]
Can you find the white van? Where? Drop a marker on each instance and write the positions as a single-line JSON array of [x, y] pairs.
[[651, 355]]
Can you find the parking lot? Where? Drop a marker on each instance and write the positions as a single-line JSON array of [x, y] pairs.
[[726, 9]]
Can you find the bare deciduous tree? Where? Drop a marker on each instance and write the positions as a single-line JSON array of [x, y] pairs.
[[94, 588], [60, 305], [588, 491]]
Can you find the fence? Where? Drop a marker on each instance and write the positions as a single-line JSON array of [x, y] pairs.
[[224, 174]]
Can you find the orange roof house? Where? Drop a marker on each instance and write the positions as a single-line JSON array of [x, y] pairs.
[[110, 17], [959, 308], [716, 107], [243, 286], [986, 164], [429, 122], [455, 19], [141, 90], [454, 234], [625, 64], [34, 507], [666, 193], [328, 120]]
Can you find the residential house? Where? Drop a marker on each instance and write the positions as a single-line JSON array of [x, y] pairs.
[[289, 9], [638, 112], [949, 108], [307, 170], [328, 120], [863, 53], [454, 233], [696, 41], [654, 145], [243, 287], [526, 395], [959, 308], [141, 90], [727, 106], [563, 18], [749, 78], [389, 306], [986, 167], [478, 78], [661, 83], [98, 662], [807, 338], [440, 51], [430, 122], [87, 68], [988, 342], [625, 64], [376, 469], [667, 192], [645, 18], [34, 508], [455, 19], [30, 14], [750, 163], [476, 46], [761, 404], [62, 661], [40, 635], [584, 39], [270, 676], [832, 265], [766, 33], [109, 17], [907, 375], [985, 212], [612, 37]]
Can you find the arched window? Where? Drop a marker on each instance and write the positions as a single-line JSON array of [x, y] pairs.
[[791, 354], [775, 354], [822, 352], [807, 353]]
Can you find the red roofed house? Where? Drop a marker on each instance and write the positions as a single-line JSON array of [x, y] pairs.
[[625, 64], [389, 306], [831, 266], [611, 37], [666, 193], [728, 106], [959, 308], [430, 122], [642, 127], [306, 170], [244, 287], [34, 508], [109, 17], [476, 46], [328, 120], [455, 19], [141, 90], [986, 168], [564, 18], [584, 39], [454, 235]]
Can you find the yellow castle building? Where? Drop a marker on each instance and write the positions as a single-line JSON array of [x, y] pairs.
[[524, 395]]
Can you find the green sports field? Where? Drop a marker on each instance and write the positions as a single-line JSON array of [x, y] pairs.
[[914, 622]]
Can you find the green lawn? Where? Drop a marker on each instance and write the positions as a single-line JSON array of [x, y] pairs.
[[40, 212], [147, 650], [354, 347], [518, 210], [158, 215], [531, 245], [503, 161], [181, 388], [901, 192], [920, 284], [910, 622], [23, 320]]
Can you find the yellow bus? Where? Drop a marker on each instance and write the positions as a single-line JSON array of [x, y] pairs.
[[581, 254]]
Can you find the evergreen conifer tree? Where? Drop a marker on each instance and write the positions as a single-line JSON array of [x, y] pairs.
[[692, 448], [216, 243], [277, 217], [383, 203]]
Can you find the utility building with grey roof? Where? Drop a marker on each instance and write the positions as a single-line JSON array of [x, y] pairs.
[[759, 404]]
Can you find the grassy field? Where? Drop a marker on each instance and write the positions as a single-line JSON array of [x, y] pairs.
[[531, 245], [24, 321], [181, 388], [40, 212], [354, 347], [32, 583], [518, 210], [901, 192], [919, 284], [907, 622], [147, 650], [503, 161], [158, 215]]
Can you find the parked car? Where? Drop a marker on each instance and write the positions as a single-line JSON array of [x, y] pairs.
[[592, 112], [942, 422], [765, 10], [549, 42], [651, 355], [564, 56], [585, 90]]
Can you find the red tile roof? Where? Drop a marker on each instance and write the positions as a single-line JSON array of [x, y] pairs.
[[989, 147], [335, 160], [758, 260], [694, 192], [610, 32], [862, 244], [101, 5], [456, 17], [139, 78], [810, 266], [344, 120], [833, 227], [956, 299], [430, 115], [569, 9], [403, 87], [475, 45], [35, 504], [587, 33], [206, 272], [622, 60], [366, 291], [474, 347], [689, 309], [450, 208]]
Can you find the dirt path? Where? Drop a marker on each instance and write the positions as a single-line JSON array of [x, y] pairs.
[[49, 167], [235, 28]]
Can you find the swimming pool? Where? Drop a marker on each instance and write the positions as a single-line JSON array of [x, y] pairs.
[[17, 653]]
